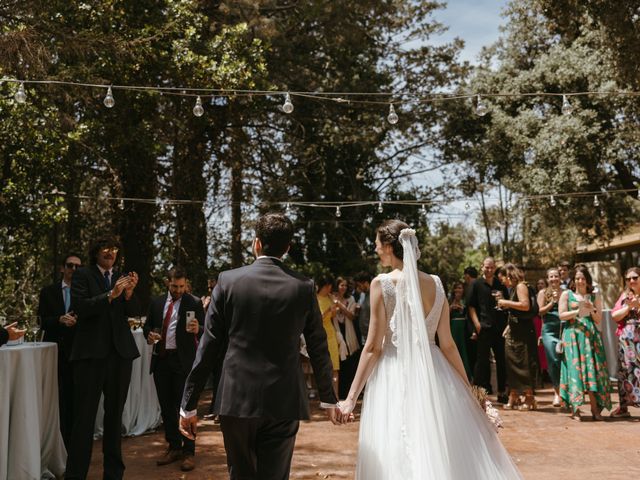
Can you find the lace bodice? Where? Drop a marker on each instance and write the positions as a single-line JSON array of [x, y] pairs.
[[389, 298]]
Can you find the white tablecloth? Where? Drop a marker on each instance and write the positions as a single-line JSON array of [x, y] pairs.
[[142, 410], [31, 445]]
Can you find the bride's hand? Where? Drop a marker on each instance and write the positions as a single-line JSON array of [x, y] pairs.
[[346, 410]]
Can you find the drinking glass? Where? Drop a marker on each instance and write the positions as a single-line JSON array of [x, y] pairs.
[[497, 295], [34, 329], [159, 332]]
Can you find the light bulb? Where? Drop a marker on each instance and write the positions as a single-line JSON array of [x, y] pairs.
[[481, 108], [121, 204], [392, 118], [596, 202], [552, 201], [198, 111], [467, 206], [287, 208], [288, 106], [109, 101], [567, 108], [338, 212], [423, 208], [380, 209], [21, 95]]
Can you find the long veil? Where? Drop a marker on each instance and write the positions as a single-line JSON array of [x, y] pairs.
[[424, 434]]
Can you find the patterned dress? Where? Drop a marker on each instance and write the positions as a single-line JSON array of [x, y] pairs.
[[584, 367], [628, 356]]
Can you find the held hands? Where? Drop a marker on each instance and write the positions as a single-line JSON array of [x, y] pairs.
[[345, 411], [189, 426]]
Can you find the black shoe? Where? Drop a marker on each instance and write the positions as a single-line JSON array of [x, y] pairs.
[[503, 398]]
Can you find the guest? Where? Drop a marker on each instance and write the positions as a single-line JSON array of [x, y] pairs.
[[10, 333], [564, 269], [206, 299], [458, 320], [626, 314], [521, 348], [345, 315], [102, 353], [59, 324], [176, 341], [363, 283], [334, 337], [541, 284], [548, 309], [489, 324], [584, 367], [471, 338]]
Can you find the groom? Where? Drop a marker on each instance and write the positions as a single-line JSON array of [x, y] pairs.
[[253, 327]]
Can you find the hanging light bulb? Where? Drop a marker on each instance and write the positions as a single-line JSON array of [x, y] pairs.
[[338, 212], [567, 108], [552, 201], [121, 204], [21, 95], [288, 106], [198, 111], [467, 206], [380, 209], [596, 202], [287, 208], [109, 101], [423, 209], [481, 108], [392, 118]]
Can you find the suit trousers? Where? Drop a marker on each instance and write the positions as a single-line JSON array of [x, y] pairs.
[[169, 378], [65, 398], [258, 448], [92, 377], [490, 338]]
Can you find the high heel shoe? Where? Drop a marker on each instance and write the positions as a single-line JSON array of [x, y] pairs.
[[530, 403], [513, 403]]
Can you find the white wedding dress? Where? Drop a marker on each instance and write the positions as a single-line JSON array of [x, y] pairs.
[[419, 420]]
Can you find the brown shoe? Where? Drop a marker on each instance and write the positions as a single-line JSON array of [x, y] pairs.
[[169, 456], [188, 463]]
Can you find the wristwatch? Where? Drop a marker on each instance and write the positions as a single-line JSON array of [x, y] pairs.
[[110, 295]]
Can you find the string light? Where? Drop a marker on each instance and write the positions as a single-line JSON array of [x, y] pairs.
[[392, 118], [21, 95], [338, 212], [109, 101], [287, 107], [567, 108], [198, 111], [380, 209], [552, 201], [423, 209], [596, 202], [481, 108]]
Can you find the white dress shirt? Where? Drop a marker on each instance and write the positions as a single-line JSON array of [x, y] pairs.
[[170, 340]]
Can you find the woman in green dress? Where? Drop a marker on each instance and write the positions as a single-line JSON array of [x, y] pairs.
[[458, 318], [584, 367], [548, 304]]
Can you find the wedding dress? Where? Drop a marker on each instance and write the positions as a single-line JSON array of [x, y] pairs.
[[419, 420]]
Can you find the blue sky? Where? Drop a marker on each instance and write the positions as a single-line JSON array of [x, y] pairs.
[[474, 21]]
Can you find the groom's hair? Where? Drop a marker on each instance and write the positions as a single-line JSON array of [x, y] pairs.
[[275, 232], [389, 234]]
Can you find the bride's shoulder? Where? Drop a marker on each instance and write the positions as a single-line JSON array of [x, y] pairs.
[[427, 280]]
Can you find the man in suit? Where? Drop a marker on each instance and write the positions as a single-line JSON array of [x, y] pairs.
[[363, 284], [10, 332], [255, 318], [102, 352], [58, 322], [173, 355]]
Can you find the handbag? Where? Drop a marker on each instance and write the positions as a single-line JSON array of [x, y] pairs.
[[560, 344]]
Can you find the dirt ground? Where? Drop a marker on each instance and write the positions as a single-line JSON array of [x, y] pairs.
[[546, 444]]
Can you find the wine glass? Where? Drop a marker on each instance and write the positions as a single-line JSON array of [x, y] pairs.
[[159, 332], [34, 330], [497, 295]]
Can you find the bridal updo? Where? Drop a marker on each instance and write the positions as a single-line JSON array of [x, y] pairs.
[[389, 234]]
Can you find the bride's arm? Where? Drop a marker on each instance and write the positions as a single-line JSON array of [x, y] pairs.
[[372, 348], [448, 346]]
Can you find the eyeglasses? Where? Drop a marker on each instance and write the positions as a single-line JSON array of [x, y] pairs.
[[109, 249], [72, 265], [632, 277]]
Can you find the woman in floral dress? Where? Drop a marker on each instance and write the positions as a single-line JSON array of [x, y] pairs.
[[626, 313], [584, 367]]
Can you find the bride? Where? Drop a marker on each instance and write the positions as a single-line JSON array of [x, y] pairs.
[[419, 418]]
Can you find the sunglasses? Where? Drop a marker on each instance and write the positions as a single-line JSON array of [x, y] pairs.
[[632, 277], [109, 249], [72, 266]]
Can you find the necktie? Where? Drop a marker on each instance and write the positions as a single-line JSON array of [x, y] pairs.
[[162, 350], [107, 280], [67, 298]]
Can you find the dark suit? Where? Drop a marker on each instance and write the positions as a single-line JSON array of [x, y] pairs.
[[102, 352], [50, 309], [170, 369], [4, 336], [256, 316]]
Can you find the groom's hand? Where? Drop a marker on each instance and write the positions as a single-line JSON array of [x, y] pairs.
[[333, 415], [189, 426]]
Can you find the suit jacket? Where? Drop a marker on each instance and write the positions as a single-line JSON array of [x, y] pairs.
[[50, 309], [186, 343], [101, 325], [4, 336], [255, 318]]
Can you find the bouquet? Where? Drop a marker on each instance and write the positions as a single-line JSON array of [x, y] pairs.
[[492, 413]]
